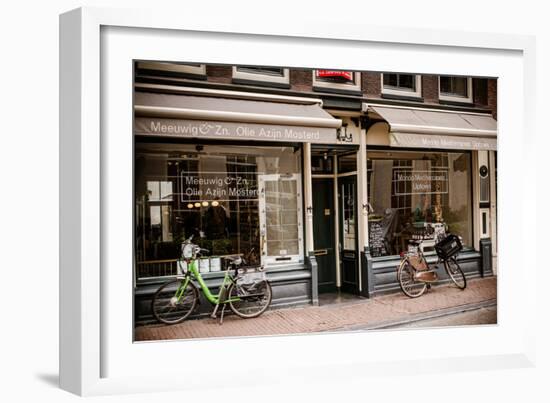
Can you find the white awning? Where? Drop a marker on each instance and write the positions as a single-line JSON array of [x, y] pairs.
[[199, 115], [420, 128]]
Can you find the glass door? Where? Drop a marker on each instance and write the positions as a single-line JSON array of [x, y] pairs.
[[347, 189], [280, 218]]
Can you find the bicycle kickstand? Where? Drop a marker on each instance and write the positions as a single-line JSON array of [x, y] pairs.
[[221, 316], [215, 311]]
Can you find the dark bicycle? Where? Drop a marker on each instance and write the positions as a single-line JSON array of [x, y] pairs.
[[414, 273]]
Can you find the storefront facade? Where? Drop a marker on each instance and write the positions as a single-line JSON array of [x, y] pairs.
[[324, 197], [427, 170]]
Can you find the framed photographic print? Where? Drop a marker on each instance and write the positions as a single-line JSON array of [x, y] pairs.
[[306, 196]]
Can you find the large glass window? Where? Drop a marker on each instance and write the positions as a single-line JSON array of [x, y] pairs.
[[219, 194], [411, 191]]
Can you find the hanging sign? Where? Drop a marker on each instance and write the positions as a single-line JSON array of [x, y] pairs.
[[347, 75]]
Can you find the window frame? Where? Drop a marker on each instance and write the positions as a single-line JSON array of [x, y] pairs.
[[267, 259], [443, 96], [344, 87], [402, 91], [187, 69], [237, 74]]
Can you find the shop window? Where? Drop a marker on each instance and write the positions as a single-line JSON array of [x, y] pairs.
[[347, 81], [232, 199], [455, 89], [322, 163], [262, 74], [412, 193], [171, 69], [347, 163], [402, 85]]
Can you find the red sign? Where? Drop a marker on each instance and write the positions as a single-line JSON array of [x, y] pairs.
[[348, 75]]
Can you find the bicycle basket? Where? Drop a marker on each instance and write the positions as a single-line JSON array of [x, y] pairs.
[[181, 267], [448, 247]]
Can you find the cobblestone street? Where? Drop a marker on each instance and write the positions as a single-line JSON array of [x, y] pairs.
[[390, 311]]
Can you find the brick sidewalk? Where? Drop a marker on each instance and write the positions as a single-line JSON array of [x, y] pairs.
[[354, 314]]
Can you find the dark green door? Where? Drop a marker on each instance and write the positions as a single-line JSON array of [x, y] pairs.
[[347, 199], [323, 233]]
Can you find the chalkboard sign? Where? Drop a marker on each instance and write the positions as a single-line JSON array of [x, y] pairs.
[[377, 231]]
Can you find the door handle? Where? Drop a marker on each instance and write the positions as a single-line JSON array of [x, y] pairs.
[[320, 252]]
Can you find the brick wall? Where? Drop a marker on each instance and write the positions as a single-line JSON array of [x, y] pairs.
[[492, 96], [371, 84], [301, 80], [430, 89], [219, 74], [485, 90]]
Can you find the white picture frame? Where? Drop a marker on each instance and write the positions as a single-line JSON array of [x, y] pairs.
[[97, 355]]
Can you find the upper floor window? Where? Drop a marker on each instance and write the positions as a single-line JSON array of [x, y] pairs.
[[456, 89], [336, 80], [261, 74], [174, 69], [402, 85]]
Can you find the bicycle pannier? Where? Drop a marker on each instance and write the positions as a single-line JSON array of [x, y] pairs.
[[448, 247], [251, 276]]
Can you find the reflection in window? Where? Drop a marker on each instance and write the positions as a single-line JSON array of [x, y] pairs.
[[214, 195], [159, 190], [281, 204], [263, 74], [348, 210], [401, 84], [410, 191], [455, 88], [170, 69], [271, 71], [400, 81]]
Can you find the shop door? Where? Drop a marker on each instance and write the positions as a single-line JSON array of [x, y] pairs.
[[280, 218], [347, 196], [323, 233]]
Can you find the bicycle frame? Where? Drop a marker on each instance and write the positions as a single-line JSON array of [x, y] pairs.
[[193, 272]]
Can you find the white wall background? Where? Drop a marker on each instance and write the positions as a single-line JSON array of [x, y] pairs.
[[29, 193]]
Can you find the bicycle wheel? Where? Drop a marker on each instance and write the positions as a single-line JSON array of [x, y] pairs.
[[409, 285], [455, 273], [165, 305], [254, 298]]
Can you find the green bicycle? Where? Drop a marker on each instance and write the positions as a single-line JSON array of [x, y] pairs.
[[247, 294]]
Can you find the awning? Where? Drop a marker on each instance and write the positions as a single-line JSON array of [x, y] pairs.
[[418, 128], [285, 119]]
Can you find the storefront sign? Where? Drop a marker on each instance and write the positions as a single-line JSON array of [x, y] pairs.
[[233, 130], [348, 75], [210, 186], [407, 181], [417, 140]]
